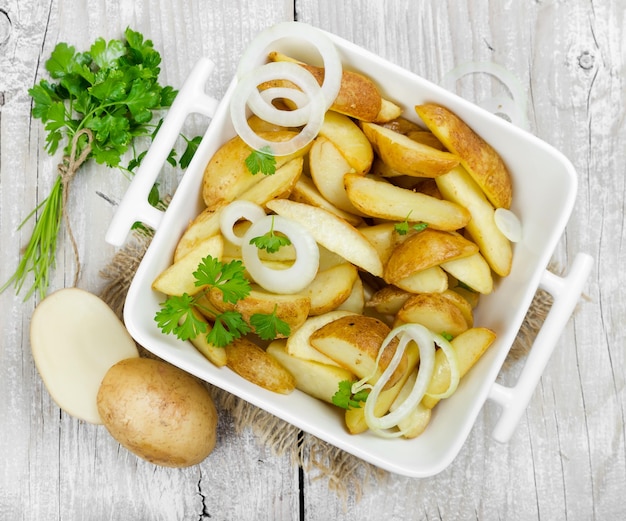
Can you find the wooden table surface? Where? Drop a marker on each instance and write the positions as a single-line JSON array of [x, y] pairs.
[[566, 460]]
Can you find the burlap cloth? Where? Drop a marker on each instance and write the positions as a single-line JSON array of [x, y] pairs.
[[346, 475]]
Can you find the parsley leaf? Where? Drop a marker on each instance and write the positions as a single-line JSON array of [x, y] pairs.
[[345, 399], [269, 327], [261, 160], [270, 241]]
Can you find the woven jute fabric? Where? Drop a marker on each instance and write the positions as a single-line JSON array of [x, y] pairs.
[[346, 475]]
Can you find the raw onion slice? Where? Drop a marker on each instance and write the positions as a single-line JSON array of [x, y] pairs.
[[256, 53], [425, 340], [509, 224], [290, 280], [236, 211], [314, 110], [453, 364]]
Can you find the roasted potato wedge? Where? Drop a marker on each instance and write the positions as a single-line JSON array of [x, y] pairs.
[[213, 353], [178, 278], [355, 302], [383, 238], [226, 175], [331, 288], [251, 362], [298, 343], [473, 271], [430, 280], [424, 250], [434, 311], [458, 186], [332, 232], [358, 96], [388, 300], [381, 199], [353, 342], [327, 167], [388, 111], [406, 155], [315, 379], [349, 139], [293, 309], [469, 346], [419, 418], [482, 162]]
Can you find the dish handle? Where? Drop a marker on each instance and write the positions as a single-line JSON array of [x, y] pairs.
[[134, 206], [566, 292]]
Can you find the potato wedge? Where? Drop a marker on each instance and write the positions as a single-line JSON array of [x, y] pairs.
[[458, 186], [381, 199], [330, 288], [293, 309], [356, 300], [406, 155], [434, 311], [306, 192], [424, 250], [469, 347], [206, 224], [358, 96], [333, 233], [349, 139], [388, 111], [383, 237], [226, 175], [313, 378], [353, 342], [327, 167], [473, 271], [388, 300], [481, 161], [216, 355], [462, 303], [419, 418], [251, 362], [298, 343], [355, 418], [430, 280], [178, 278]]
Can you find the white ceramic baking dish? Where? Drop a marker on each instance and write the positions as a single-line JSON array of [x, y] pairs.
[[545, 187]]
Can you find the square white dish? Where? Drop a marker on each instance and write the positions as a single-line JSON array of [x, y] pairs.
[[544, 214]]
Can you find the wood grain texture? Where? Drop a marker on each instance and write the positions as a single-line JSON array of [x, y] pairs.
[[567, 458]]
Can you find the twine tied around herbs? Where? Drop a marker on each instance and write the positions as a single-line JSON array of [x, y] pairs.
[[66, 170]]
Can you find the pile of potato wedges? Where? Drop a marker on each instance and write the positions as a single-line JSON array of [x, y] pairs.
[[402, 209]]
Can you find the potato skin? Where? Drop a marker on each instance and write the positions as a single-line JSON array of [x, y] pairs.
[[158, 412]]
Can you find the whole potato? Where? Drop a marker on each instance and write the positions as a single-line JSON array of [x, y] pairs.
[[158, 412]]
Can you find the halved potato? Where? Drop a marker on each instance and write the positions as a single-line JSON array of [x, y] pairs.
[[434, 311], [178, 278], [313, 378], [332, 232], [458, 186], [424, 250], [381, 199], [306, 192], [354, 341], [293, 309], [479, 158], [251, 362], [330, 288], [406, 155]]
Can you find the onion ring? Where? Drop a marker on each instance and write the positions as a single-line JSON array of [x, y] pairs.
[[290, 280], [236, 211]]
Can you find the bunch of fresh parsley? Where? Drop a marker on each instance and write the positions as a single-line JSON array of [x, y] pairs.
[[178, 314], [112, 90]]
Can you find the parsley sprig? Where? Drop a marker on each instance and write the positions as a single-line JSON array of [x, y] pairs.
[[345, 399], [178, 315], [112, 92], [269, 241], [403, 227]]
